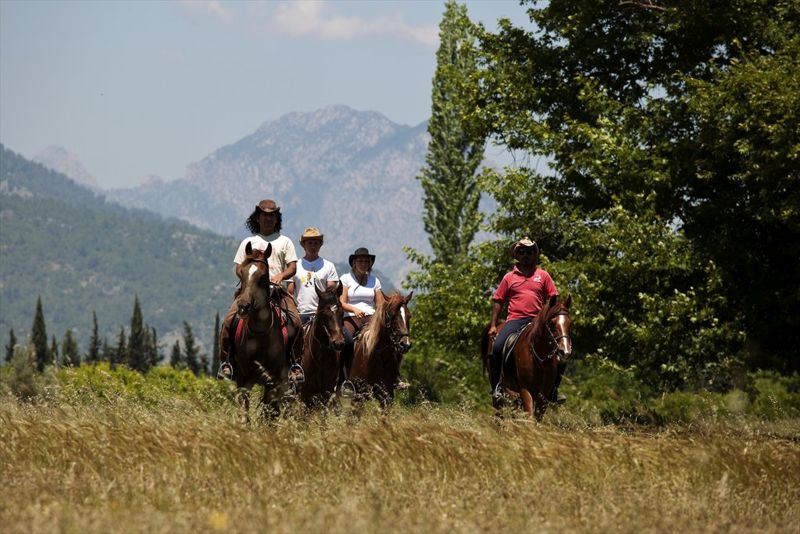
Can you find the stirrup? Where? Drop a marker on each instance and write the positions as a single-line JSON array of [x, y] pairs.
[[347, 390], [497, 392], [225, 371], [296, 374]]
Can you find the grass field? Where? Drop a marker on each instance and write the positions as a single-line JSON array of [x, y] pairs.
[[180, 467]]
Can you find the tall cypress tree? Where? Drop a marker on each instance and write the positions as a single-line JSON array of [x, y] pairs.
[[39, 337], [70, 355], [106, 353], [93, 354], [191, 352], [215, 347], [448, 179], [12, 342], [176, 356], [152, 355], [137, 359], [119, 353], [54, 351]]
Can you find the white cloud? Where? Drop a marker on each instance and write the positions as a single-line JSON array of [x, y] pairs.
[[200, 9], [318, 19]]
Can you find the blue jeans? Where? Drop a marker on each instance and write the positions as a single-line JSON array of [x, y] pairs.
[[497, 349]]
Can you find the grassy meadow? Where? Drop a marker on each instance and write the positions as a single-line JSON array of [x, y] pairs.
[[85, 458]]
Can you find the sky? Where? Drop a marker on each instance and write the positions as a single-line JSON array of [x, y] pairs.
[[143, 88]]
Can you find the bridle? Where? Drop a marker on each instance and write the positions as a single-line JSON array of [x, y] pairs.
[[396, 337], [553, 339], [246, 317]]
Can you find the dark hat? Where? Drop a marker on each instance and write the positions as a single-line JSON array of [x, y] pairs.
[[361, 251], [267, 205]]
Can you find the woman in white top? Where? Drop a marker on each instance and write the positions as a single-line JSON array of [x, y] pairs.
[[361, 296]]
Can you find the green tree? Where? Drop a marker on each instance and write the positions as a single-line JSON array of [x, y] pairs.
[[119, 353], [39, 338], [152, 355], [137, 359], [176, 358], [191, 352], [54, 351], [93, 355], [70, 353], [12, 342], [107, 353], [451, 192]]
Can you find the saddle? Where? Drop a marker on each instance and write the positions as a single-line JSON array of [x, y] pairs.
[[511, 341]]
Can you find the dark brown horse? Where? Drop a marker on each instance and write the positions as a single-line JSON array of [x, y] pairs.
[[531, 370], [323, 342], [259, 344], [380, 348]]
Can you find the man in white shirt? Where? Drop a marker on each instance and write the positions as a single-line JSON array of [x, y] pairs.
[[265, 223], [313, 271]]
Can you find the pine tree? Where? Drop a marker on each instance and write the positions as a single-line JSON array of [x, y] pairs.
[[119, 353], [152, 354], [93, 354], [39, 338], [190, 349], [54, 351], [176, 357], [448, 179], [12, 342], [106, 354], [215, 347], [70, 355], [136, 340]]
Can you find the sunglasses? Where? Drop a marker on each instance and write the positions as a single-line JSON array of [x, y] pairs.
[[525, 252]]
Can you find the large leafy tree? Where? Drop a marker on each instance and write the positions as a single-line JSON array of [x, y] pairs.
[[451, 215], [668, 127]]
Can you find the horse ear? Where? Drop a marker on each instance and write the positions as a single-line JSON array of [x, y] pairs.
[[339, 289], [248, 249], [408, 298], [568, 303], [553, 301], [316, 288], [268, 252]]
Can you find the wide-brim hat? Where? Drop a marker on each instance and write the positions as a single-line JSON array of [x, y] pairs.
[[268, 205], [524, 242], [361, 251], [311, 233]]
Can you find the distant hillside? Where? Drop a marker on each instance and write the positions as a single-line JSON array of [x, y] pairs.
[[82, 253], [351, 173]]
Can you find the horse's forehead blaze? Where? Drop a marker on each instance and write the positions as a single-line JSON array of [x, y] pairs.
[[403, 314]]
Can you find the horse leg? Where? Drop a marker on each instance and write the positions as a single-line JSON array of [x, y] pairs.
[[270, 402], [244, 404], [541, 406], [527, 400]]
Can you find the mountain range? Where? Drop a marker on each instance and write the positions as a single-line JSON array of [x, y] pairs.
[[350, 173]]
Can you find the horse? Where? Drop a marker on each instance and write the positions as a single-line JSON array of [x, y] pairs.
[[321, 348], [259, 343], [380, 349], [531, 370]]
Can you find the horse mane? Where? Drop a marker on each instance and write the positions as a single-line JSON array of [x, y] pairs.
[[374, 328], [547, 313]]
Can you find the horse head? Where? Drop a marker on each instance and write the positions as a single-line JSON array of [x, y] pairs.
[[559, 324], [397, 319], [254, 275], [330, 315]]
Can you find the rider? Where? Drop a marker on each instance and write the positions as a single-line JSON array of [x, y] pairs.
[[265, 223], [313, 271], [361, 296], [525, 289]]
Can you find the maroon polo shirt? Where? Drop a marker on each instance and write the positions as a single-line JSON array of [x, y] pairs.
[[525, 295]]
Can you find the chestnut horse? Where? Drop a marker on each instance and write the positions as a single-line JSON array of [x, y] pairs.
[[380, 348], [532, 368], [322, 344], [259, 347]]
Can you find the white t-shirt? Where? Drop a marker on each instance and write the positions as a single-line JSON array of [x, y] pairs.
[[282, 251], [362, 297], [309, 274]]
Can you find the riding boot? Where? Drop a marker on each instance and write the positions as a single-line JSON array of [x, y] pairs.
[[296, 373], [496, 365], [554, 395]]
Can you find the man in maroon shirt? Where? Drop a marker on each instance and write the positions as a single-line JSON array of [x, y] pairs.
[[525, 289]]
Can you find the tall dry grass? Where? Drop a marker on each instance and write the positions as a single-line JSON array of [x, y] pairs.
[[128, 468]]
